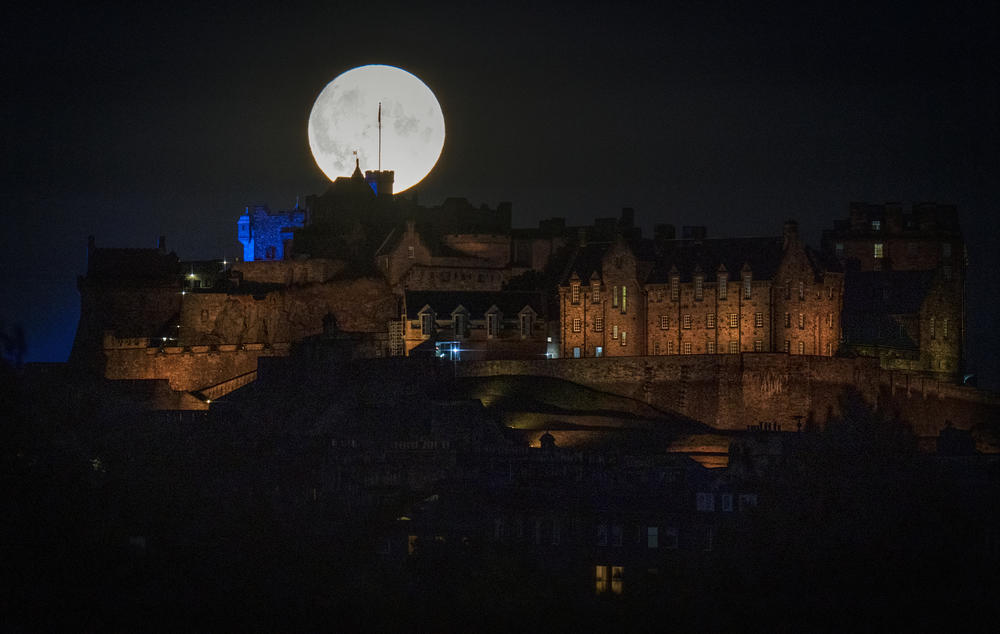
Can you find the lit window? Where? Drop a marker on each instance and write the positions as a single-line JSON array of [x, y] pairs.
[[410, 253], [687, 347], [687, 322], [710, 320], [802, 321], [624, 298], [576, 293], [723, 286], [734, 347], [788, 320], [698, 290], [802, 347], [614, 296], [595, 293], [758, 346], [602, 578], [758, 320], [788, 346], [878, 250], [598, 324], [664, 322], [710, 347], [617, 579], [734, 320], [577, 324], [623, 337], [876, 225], [614, 331]]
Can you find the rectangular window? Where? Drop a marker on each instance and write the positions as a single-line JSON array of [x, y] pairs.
[[614, 331], [675, 289], [576, 353], [723, 286], [802, 291], [664, 322], [788, 320], [602, 534], [727, 502], [944, 327], [614, 297], [829, 320], [602, 578], [802, 347], [758, 346], [734, 320], [595, 293], [616, 535], [687, 347], [839, 248], [788, 345], [577, 324], [932, 328], [493, 325], [876, 225], [705, 502], [698, 290], [624, 298], [670, 538], [687, 322], [656, 347], [710, 320], [734, 347], [878, 250], [526, 325], [426, 324], [623, 337], [710, 346], [758, 320], [829, 349], [410, 253], [746, 286], [598, 324], [670, 347], [576, 293], [802, 321], [659, 295], [652, 537], [461, 325]]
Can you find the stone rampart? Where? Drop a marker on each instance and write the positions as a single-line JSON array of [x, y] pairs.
[[189, 368], [733, 391]]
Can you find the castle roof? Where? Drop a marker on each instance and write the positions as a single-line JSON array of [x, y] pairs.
[[478, 303], [685, 257]]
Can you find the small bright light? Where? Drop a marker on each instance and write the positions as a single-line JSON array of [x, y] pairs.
[[184, 292], [209, 401], [164, 338]]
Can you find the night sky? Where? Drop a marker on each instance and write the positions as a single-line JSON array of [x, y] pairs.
[[130, 123]]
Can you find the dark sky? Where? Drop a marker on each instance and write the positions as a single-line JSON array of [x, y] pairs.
[[128, 123]]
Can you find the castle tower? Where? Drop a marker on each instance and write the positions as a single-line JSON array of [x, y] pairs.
[[380, 181]]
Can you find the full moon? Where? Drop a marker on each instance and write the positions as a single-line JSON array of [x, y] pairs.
[[345, 120]]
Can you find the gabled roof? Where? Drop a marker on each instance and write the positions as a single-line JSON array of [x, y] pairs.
[[763, 255], [477, 303]]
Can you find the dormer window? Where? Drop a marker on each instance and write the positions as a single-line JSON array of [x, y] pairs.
[[595, 292], [575, 288], [723, 286], [747, 279], [527, 324], [493, 324], [461, 321], [675, 288], [426, 324], [802, 291], [698, 287]]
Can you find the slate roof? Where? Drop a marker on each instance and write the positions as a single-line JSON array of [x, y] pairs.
[[762, 254], [477, 303]]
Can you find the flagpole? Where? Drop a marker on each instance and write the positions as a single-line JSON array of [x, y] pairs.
[[380, 136]]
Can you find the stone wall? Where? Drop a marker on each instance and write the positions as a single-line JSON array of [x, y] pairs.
[[733, 391], [186, 368]]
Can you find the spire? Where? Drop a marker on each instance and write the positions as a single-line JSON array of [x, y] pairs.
[[357, 167]]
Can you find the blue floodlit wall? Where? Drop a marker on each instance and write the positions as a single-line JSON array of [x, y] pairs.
[[264, 233]]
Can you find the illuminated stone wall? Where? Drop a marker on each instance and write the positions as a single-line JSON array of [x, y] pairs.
[[733, 391]]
